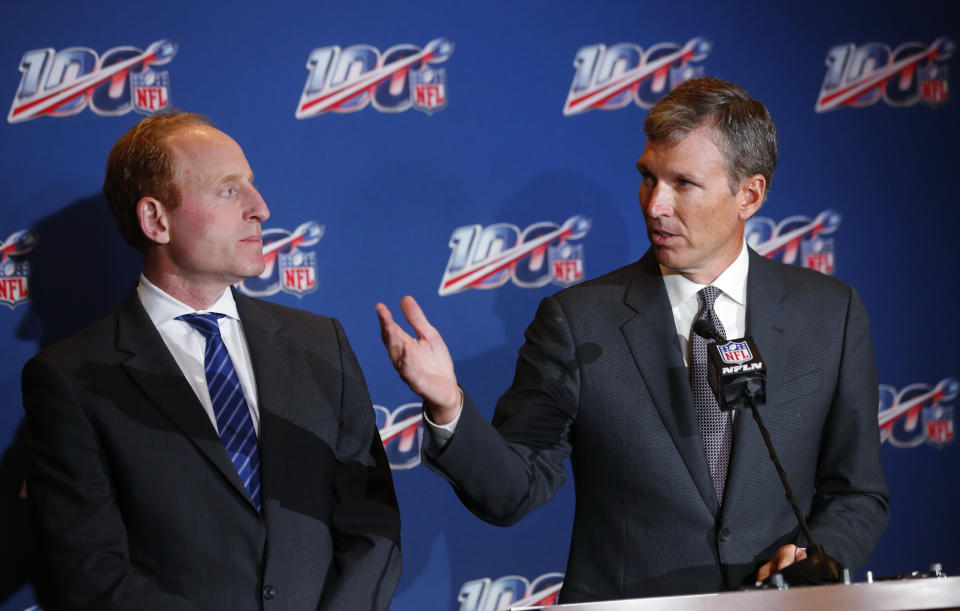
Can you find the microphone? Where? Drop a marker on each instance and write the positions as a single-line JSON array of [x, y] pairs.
[[738, 378], [704, 329], [736, 372]]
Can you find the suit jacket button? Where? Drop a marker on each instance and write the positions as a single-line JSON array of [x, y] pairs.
[[269, 592], [724, 534]]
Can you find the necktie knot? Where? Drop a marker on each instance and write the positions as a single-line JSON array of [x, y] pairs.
[[708, 297], [206, 324]]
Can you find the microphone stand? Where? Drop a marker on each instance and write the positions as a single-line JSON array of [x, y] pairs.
[[818, 567]]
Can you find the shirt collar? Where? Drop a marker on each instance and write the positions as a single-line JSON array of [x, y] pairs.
[[161, 307], [732, 282]]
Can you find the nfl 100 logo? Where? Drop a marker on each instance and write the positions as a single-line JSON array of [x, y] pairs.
[[63, 83], [919, 413], [489, 257], [734, 353], [608, 78], [288, 266], [402, 77], [509, 592], [798, 239], [859, 76]]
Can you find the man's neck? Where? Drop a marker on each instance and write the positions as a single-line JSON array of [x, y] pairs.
[[710, 275], [197, 295]]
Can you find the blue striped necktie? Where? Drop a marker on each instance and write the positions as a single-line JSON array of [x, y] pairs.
[[229, 405]]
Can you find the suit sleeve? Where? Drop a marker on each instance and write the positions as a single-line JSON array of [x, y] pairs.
[[365, 517], [850, 508], [80, 530], [504, 470]]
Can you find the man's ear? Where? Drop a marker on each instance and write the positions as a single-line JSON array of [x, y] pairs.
[[154, 222], [751, 195]]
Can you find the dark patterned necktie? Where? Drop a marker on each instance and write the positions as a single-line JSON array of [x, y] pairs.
[[229, 405], [715, 426]]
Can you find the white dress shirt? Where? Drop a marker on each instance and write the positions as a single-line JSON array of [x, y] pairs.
[[187, 345], [730, 306]]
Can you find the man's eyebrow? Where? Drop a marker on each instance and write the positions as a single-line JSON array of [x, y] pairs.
[[232, 176]]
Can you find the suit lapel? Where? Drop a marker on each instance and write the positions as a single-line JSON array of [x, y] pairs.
[[768, 318], [651, 336], [157, 374]]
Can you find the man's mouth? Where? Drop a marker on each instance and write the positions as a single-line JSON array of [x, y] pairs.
[[660, 237]]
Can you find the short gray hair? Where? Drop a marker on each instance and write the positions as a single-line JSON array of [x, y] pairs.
[[747, 135]]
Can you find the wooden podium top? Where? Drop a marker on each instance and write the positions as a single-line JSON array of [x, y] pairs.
[[905, 594]]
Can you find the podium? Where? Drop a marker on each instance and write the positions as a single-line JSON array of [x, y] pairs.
[[899, 595]]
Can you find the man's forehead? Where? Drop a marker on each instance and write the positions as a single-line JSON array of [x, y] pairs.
[[192, 135], [704, 139], [202, 149]]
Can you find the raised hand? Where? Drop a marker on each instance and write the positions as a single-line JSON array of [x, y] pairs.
[[423, 362]]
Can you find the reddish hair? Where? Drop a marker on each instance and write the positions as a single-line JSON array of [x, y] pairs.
[[141, 165]]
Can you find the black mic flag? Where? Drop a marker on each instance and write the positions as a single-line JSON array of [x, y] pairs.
[[736, 368]]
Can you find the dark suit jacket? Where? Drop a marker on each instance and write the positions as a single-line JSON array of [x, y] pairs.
[[601, 378], [139, 506]]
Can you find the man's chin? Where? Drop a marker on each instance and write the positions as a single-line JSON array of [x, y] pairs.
[[248, 271], [667, 258]]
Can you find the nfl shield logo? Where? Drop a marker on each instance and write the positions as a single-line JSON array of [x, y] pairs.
[[14, 278], [817, 254], [734, 353], [429, 89], [938, 425], [566, 263], [933, 84], [150, 91], [298, 272]]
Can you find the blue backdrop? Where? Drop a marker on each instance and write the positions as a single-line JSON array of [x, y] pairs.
[[402, 146]]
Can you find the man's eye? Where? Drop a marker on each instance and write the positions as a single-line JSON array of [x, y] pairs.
[[683, 182]]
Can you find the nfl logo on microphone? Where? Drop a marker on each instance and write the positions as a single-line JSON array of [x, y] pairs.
[[734, 353]]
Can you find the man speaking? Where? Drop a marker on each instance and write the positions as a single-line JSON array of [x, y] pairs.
[[198, 449], [674, 496]]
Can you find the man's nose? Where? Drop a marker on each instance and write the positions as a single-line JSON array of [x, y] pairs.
[[258, 208], [659, 202]]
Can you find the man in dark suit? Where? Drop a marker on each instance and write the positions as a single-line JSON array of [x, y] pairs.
[[198, 449], [673, 495]]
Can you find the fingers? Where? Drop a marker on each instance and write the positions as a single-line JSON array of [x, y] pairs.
[[785, 556], [392, 335], [386, 319], [763, 572], [415, 316]]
